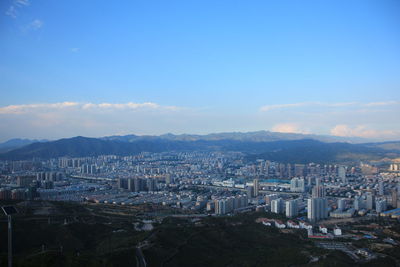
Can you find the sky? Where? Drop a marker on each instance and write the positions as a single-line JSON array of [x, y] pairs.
[[97, 68]]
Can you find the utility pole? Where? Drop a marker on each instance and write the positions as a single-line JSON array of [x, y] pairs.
[[9, 210], [9, 241]]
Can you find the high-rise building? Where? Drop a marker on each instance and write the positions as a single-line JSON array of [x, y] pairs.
[[151, 184], [299, 169], [256, 186], [93, 169], [318, 191], [122, 183], [297, 185], [381, 205], [220, 206], [25, 181], [381, 187], [169, 179], [370, 201], [269, 198], [341, 204], [227, 205], [131, 184], [317, 209], [394, 198], [394, 167], [342, 174], [292, 209], [138, 184], [358, 203], [250, 191], [277, 205]]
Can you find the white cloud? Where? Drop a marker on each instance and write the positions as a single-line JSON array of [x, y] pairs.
[[306, 104], [272, 107], [22, 2], [21, 109], [289, 128], [65, 119], [12, 12], [378, 104], [362, 131], [35, 24], [327, 105]]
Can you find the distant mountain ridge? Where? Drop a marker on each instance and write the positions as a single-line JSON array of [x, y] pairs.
[[16, 143], [258, 136], [290, 151]]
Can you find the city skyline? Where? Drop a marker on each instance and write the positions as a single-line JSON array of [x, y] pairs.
[[197, 68]]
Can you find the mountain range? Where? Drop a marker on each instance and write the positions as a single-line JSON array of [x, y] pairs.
[[16, 143], [290, 148]]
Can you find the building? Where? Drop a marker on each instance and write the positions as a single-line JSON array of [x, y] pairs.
[[370, 201], [230, 204], [342, 174], [318, 190], [277, 205], [122, 183], [250, 191], [337, 231], [381, 205], [256, 186], [394, 167], [292, 224], [299, 169], [151, 184], [169, 179], [292, 208], [25, 181], [341, 204], [381, 187], [317, 209], [394, 198], [269, 198], [342, 213], [358, 203], [297, 185], [5, 193], [220, 206]]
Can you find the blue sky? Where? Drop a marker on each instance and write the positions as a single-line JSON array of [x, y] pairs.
[[326, 67]]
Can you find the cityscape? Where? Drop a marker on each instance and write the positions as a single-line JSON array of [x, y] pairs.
[[199, 133], [322, 200]]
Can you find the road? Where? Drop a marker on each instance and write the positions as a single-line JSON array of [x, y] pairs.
[[141, 262]]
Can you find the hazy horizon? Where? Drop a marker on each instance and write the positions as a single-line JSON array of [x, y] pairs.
[[351, 139]]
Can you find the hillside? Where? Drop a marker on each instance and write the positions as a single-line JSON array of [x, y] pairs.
[[258, 136], [16, 143], [290, 151]]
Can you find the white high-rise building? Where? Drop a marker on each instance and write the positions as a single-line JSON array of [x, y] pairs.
[[342, 174], [317, 209], [297, 185], [292, 209], [277, 205], [220, 206]]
